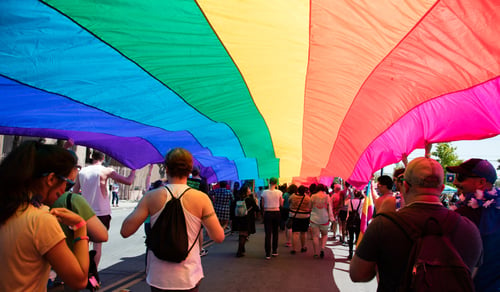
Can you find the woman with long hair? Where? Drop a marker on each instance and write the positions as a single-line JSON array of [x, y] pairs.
[[32, 239], [245, 225]]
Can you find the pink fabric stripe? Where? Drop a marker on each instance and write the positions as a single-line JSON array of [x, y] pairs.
[[471, 114], [452, 48]]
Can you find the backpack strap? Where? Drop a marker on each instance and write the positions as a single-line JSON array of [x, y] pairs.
[[178, 198], [410, 232], [413, 232], [68, 202]]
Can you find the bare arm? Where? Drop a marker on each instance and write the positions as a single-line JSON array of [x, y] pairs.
[[361, 270], [127, 180], [135, 219], [96, 230], [71, 266]]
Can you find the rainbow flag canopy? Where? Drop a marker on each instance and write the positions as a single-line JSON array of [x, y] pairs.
[[254, 89]]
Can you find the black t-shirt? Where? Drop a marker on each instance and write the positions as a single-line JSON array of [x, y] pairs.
[[385, 244]]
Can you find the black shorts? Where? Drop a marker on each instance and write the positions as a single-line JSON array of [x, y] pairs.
[[300, 225], [342, 215], [106, 219]]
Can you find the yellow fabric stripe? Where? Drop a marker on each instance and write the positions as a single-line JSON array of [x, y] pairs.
[[268, 41]]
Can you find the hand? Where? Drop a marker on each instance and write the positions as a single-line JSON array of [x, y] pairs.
[[473, 203], [66, 216], [69, 143]]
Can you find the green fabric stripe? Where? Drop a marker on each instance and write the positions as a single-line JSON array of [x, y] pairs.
[[173, 42]]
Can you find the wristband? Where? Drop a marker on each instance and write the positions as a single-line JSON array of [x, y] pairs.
[[80, 238], [79, 225]]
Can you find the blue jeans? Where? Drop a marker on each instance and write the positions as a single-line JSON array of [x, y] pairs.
[[271, 227]]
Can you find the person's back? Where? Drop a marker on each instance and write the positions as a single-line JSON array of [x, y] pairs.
[[386, 248], [198, 210], [272, 200], [156, 268], [91, 187], [385, 243], [222, 199]]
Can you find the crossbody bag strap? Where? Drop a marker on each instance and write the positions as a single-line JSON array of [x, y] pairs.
[[298, 208]]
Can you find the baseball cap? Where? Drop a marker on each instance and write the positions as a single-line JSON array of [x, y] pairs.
[[424, 172], [476, 167]]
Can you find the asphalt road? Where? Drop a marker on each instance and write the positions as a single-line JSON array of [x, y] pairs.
[[123, 261]]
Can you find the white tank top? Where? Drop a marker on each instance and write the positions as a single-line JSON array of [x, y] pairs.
[[177, 276]]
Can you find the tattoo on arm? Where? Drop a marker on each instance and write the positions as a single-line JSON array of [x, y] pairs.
[[207, 216]]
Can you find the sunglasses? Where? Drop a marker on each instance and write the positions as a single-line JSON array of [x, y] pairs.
[[69, 183], [461, 177]]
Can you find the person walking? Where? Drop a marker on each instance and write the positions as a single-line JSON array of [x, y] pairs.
[[321, 216], [300, 210], [92, 181], [272, 201], [222, 198], [386, 248], [198, 210], [354, 223], [245, 225]]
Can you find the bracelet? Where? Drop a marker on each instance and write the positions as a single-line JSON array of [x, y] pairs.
[[80, 238], [79, 225]]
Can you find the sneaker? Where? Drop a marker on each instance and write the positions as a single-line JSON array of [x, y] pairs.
[[203, 252], [275, 254], [288, 244], [292, 252], [321, 254], [304, 249], [349, 257], [268, 257]]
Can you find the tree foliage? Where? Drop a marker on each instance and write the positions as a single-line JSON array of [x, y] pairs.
[[446, 155]]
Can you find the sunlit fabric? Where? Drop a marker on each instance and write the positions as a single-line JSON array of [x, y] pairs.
[[302, 90]]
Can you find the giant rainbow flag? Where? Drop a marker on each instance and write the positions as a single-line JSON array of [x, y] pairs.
[[255, 88]]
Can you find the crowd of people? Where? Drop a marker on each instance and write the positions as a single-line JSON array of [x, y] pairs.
[[41, 182]]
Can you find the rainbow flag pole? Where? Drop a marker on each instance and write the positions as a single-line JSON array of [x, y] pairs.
[[367, 213]]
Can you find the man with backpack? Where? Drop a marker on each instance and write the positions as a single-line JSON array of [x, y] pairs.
[[451, 242], [353, 225], [168, 268]]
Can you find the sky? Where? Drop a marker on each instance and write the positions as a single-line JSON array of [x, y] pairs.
[[486, 149]]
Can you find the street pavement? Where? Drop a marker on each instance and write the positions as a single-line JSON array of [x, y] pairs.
[[123, 262]]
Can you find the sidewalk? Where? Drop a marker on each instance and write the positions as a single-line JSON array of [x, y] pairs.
[[224, 272]]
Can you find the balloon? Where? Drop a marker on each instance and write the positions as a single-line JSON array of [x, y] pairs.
[[304, 90]]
